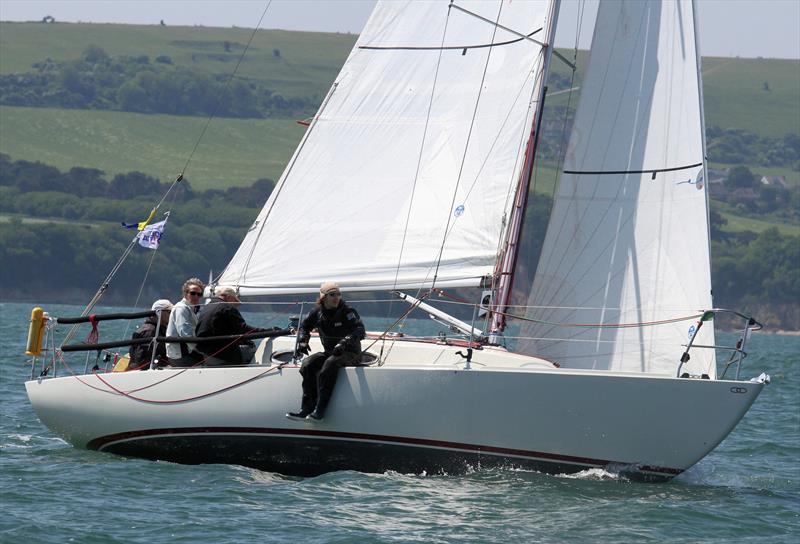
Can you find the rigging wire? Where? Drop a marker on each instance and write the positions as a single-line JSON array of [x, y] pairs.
[[225, 88], [562, 141], [103, 287], [142, 284], [466, 146], [106, 282], [421, 151], [450, 226], [416, 175]]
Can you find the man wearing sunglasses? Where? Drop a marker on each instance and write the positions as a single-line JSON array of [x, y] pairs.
[[183, 319], [340, 331]]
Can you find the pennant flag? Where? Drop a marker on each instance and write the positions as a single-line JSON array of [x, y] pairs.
[[151, 234], [142, 224]]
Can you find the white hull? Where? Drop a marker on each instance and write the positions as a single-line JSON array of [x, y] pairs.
[[432, 416]]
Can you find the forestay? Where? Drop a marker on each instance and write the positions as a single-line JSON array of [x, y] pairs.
[[628, 241], [421, 135]]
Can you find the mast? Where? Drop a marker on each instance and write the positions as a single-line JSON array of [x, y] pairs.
[[504, 272]]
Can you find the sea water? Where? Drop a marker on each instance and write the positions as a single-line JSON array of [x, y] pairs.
[[747, 490]]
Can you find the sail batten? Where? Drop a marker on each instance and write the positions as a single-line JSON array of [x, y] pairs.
[[405, 170]]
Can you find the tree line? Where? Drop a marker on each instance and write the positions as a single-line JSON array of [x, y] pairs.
[[758, 275], [203, 231], [39, 190], [734, 146], [135, 84]]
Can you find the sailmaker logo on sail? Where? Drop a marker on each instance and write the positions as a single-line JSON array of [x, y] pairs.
[[697, 181]]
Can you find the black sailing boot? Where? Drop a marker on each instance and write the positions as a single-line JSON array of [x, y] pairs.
[[316, 415], [298, 415]]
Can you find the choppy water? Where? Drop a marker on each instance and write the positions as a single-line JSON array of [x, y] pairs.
[[747, 490]]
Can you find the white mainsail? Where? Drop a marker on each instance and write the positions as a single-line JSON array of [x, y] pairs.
[[628, 240], [422, 134]]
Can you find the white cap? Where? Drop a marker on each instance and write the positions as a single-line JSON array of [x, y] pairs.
[[161, 304], [327, 287], [225, 290]]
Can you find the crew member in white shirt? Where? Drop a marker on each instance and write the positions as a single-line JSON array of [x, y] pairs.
[[183, 318]]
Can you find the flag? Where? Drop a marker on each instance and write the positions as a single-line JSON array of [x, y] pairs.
[[151, 234], [142, 224]]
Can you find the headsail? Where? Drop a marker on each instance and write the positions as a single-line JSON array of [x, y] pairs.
[[421, 135], [627, 243]]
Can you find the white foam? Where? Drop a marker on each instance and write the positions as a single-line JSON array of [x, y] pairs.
[[593, 474]]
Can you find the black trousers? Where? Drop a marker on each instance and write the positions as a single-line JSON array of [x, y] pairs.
[[319, 371]]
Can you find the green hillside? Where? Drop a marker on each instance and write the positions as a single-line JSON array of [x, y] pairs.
[[306, 65], [296, 64], [233, 152], [736, 95]]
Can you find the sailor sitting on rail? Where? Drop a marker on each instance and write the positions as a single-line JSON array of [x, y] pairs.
[[341, 331]]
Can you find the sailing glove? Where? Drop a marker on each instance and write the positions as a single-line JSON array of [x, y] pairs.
[[301, 349], [339, 349]]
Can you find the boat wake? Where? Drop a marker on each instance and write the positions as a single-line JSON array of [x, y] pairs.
[[595, 475], [28, 441]]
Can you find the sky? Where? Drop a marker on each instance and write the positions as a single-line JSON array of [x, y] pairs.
[[729, 28]]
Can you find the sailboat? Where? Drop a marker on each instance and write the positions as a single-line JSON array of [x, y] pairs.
[[413, 176]]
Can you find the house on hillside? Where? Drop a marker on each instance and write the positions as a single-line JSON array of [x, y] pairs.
[[774, 181]]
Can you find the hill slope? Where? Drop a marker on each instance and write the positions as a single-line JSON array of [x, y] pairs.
[[233, 152], [305, 65], [236, 152]]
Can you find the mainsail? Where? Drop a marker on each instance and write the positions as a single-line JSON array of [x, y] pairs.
[[627, 246], [408, 169]]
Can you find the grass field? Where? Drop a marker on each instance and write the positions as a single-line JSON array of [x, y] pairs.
[[307, 64], [734, 91], [735, 95], [738, 224], [233, 152], [7, 218]]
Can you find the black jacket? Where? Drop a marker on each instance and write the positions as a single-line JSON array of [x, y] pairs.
[[140, 354], [342, 322], [218, 318]]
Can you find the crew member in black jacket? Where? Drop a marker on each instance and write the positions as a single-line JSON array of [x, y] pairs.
[[341, 331], [140, 354], [220, 317]]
